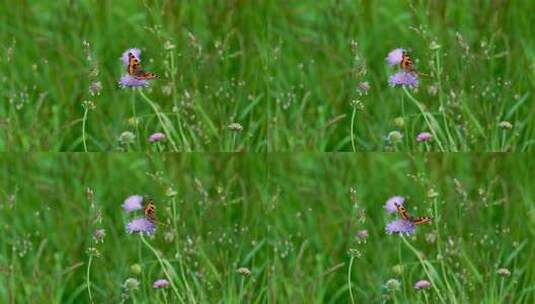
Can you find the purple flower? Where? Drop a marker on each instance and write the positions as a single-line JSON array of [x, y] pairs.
[[395, 56], [422, 284], [124, 57], [362, 234], [390, 205], [403, 79], [400, 226], [132, 82], [424, 136], [133, 203], [141, 225], [161, 283], [156, 137]]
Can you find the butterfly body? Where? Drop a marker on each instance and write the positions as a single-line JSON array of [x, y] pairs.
[[407, 217], [134, 69]]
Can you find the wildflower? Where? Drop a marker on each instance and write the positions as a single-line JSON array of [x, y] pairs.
[[136, 269], [158, 136], [403, 78], [133, 203], [392, 284], [244, 271], [363, 87], [503, 272], [505, 125], [398, 269], [236, 127], [98, 235], [131, 284], [399, 122], [362, 234], [127, 137], [400, 226], [170, 192], [141, 225], [395, 56], [394, 136], [424, 136], [124, 57], [390, 205], [95, 88], [132, 82], [422, 284], [161, 283]]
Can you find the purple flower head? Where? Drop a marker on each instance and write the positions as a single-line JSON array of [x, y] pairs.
[[133, 203], [161, 283], [124, 57], [424, 136], [132, 82], [141, 225], [400, 226], [395, 56], [422, 284], [390, 205], [156, 137], [362, 234], [403, 78]]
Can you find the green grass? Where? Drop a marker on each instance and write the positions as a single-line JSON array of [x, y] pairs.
[[290, 219], [287, 71]]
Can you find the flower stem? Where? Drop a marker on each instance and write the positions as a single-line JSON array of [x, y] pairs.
[[88, 279], [86, 110], [164, 268], [426, 118], [349, 279], [353, 145], [424, 266], [160, 119]]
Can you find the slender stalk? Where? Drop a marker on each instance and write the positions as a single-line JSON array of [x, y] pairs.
[[164, 268], [88, 278], [353, 128], [349, 279], [426, 118], [160, 119], [135, 121], [424, 266], [86, 110]]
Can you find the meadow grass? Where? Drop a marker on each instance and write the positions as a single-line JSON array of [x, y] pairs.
[[289, 221], [287, 71]]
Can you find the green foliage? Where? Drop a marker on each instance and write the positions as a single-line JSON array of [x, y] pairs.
[[290, 219], [287, 71]]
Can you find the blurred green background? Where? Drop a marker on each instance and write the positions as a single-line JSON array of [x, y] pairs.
[[290, 219], [286, 71]]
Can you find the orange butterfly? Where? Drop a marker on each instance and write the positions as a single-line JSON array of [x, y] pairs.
[[150, 212], [134, 69], [406, 64], [415, 220]]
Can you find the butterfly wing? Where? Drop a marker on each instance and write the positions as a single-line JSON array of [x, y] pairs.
[[421, 220], [403, 212], [150, 211], [134, 69], [406, 63]]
